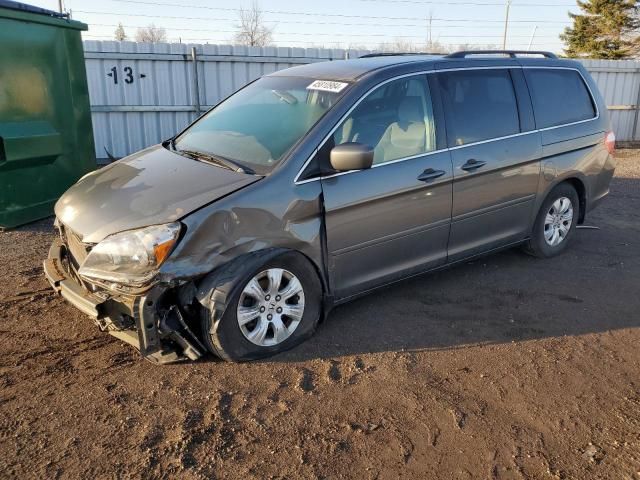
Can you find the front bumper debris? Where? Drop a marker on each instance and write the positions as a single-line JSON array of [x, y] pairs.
[[161, 335]]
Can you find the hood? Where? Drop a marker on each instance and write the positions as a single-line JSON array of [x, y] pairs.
[[151, 187]]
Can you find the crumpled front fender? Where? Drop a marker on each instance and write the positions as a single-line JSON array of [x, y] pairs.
[[270, 214]]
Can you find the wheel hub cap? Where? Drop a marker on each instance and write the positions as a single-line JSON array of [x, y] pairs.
[[558, 221], [271, 306]]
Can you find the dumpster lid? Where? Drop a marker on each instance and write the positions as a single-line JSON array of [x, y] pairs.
[[29, 13], [30, 8]]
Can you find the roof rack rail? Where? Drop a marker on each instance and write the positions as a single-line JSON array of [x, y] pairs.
[[396, 54], [509, 53]]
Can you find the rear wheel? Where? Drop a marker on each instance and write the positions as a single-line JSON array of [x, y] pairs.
[[556, 222], [262, 308]]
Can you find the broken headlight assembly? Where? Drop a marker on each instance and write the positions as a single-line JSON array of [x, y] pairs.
[[131, 257]]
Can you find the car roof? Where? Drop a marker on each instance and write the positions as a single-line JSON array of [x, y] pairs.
[[349, 70], [354, 69]]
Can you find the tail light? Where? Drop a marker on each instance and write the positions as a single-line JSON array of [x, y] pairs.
[[610, 142]]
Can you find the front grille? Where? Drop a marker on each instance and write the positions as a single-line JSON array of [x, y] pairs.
[[75, 253], [78, 251]]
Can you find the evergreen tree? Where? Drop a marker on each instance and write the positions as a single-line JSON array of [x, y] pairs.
[[606, 29], [120, 34]]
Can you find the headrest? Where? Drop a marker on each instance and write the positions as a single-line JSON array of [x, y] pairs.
[[410, 110]]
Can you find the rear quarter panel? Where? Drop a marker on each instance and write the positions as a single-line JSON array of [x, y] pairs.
[[576, 151]]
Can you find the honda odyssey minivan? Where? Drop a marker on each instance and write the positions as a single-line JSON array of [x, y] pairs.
[[316, 184]]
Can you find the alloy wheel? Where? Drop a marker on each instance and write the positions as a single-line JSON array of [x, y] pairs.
[[271, 306], [558, 221]]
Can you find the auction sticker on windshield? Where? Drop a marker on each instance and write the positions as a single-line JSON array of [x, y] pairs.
[[327, 86]]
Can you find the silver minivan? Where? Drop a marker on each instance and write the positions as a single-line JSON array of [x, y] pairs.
[[316, 184]]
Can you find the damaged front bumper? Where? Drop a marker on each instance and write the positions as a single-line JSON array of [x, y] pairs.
[[156, 328]]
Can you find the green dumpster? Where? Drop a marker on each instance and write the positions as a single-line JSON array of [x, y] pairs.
[[46, 140]]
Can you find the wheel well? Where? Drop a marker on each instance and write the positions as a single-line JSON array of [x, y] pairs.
[[232, 267], [577, 184]]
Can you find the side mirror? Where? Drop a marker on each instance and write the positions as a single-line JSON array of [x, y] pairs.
[[351, 156]]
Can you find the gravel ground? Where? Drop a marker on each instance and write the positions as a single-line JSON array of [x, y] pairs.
[[507, 367]]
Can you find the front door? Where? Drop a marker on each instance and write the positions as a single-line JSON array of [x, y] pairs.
[[392, 220]]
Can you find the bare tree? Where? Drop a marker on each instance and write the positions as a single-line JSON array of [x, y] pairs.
[[434, 46], [477, 46], [151, 34], [356, 46], [399, 46], [403, 46], [252, 30], [120, 35]]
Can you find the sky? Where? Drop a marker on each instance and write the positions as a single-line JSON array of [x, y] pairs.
[[335, 23]]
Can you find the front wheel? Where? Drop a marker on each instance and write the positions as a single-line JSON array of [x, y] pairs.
[[262, 307], [556, 222]]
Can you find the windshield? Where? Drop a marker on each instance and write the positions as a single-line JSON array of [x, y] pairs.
[[256, 126]]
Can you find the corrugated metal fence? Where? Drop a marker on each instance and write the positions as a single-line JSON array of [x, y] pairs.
[[144, 93], [619, 83]]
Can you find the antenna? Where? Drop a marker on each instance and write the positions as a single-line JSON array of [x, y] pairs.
[[506, 26]]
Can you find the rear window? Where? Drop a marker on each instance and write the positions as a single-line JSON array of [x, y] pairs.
[[479, 105], [559, 97]]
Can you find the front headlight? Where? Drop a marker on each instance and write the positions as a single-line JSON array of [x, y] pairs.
[[131, 257]]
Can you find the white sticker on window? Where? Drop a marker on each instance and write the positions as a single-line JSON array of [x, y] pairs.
[[327, 86]]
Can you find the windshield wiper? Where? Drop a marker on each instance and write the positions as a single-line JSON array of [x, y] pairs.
[[169, 144], [217, 160]]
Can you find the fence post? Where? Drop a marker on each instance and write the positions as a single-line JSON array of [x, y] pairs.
[[637, 110], [195, 84]]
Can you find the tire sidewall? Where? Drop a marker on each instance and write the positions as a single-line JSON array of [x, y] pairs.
[[539, 243], [221, 329]]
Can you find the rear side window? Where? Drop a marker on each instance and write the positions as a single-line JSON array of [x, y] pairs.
[[559, 97], [479, 105]]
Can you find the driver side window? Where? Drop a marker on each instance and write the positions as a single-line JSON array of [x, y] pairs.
[[396, 120]]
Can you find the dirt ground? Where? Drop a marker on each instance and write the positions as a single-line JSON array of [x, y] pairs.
[[507, 367]]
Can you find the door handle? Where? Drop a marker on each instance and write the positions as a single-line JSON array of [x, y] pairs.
[[430, 174], [473, 164]]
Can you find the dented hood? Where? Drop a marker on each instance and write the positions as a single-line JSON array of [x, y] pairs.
[[151, 187]]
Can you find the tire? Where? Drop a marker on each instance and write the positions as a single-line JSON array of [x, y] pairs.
[[221, 331], [539, 245]]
